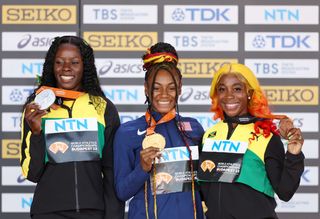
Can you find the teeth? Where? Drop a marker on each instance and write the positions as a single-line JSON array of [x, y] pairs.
[[67, 77], [164, 102], [231, 106]]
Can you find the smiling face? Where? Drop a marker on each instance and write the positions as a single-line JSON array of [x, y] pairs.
[[68, 67], [232, 95], [163, 97]]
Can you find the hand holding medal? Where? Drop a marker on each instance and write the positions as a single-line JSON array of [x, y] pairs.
[[152, 145], [285, 125], [154, 140], [45, 99], [37, 109], [292, 134]]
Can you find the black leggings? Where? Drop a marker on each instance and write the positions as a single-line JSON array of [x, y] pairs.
[[82, 214]]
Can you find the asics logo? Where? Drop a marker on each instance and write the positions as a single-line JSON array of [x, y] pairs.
[[141, 132], [20, 179]]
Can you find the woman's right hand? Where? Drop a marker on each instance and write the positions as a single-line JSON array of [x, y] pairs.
[[33, 117], [147, 157]]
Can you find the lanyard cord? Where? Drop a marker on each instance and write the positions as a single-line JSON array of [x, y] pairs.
[[150, 130], [182, 132], [153, 191]]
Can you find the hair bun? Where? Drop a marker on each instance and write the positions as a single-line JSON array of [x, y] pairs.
[[158, 53]]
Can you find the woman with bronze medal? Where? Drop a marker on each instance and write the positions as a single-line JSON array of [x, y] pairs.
[[67, 132], [243, 163], [156, 155]]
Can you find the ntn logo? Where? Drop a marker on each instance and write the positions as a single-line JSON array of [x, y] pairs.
[[282, 14]]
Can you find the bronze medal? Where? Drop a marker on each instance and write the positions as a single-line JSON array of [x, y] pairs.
[[154, 140]]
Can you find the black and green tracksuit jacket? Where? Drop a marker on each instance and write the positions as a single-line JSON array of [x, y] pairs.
[[73, 185]]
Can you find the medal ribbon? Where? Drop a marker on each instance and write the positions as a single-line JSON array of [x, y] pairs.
[[69, 94], [150, 130], [166, 118]]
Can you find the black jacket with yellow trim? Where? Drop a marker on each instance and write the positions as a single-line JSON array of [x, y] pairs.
[[237, 200], [73, 185]]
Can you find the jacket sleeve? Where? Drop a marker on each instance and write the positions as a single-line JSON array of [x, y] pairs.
[[284, 169], [32, 154], [114, 208], [129, 178]]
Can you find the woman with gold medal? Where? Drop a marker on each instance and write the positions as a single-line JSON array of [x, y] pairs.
[[155, 155]]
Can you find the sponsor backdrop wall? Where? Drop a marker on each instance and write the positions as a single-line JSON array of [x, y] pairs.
[[279, 42]]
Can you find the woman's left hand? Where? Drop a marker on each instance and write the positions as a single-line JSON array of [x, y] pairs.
[[295, 141]]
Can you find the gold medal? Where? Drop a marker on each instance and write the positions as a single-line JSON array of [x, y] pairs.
[[154, 140]]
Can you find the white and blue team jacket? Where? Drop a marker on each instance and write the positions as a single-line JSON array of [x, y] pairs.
[[130, 177]]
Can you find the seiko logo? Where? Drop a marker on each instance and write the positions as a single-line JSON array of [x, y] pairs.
[[39, 14], [298, 94], [35, 41], [120, 41], [201, 67], [10, 148]]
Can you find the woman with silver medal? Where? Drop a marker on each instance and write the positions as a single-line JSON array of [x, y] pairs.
[[67, 131], [155, 155], [243, 163]]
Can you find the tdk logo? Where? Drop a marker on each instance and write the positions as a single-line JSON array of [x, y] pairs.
[[281, 14], [19, 95], [16, 95], [259, 42], [202, 14], [282, 41], [178, 15]]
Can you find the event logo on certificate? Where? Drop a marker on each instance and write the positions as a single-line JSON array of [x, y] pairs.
[[74, 139]]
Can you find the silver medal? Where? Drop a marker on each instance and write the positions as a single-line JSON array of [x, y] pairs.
[[45, 99]]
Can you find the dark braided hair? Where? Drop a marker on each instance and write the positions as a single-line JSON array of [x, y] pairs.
[[90, 82], [170, 67]]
